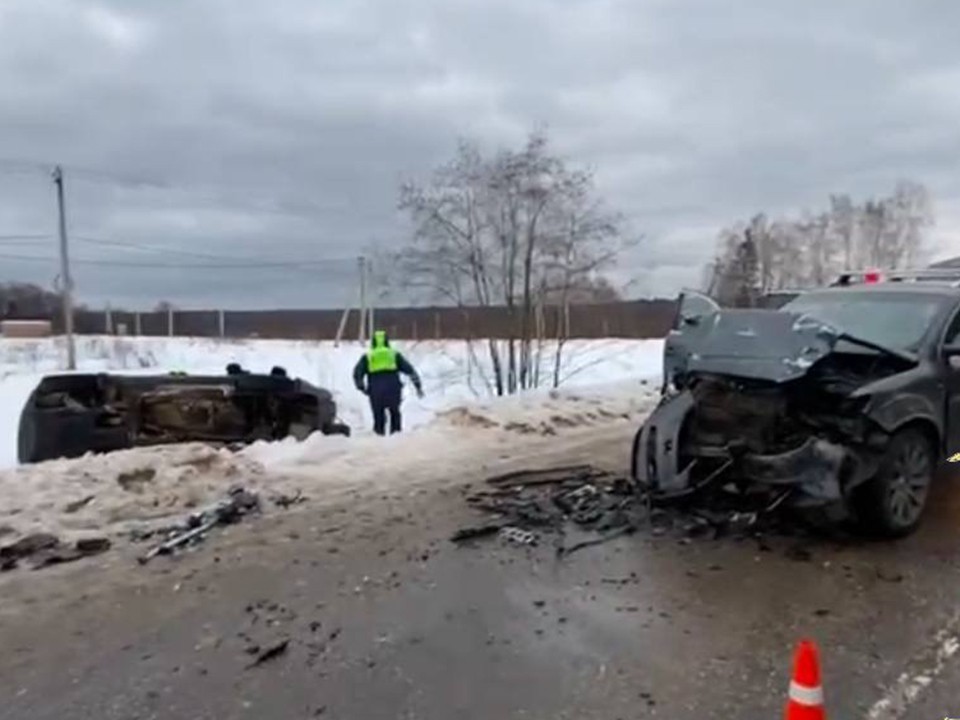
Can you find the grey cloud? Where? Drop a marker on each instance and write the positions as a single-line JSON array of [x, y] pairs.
[[282, 129]]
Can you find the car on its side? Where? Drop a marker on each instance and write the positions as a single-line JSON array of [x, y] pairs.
[[843, 401], [67, 416]]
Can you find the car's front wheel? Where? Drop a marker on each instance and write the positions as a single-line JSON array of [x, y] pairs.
[[892, 502]]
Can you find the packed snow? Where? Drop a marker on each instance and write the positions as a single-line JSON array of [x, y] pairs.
[[604, 381]]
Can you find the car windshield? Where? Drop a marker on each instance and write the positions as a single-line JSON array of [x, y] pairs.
[[896, 321]]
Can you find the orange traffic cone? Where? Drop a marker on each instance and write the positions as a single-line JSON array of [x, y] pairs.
[[805, 699]]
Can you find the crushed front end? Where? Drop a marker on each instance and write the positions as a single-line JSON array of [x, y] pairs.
[[762, 402]]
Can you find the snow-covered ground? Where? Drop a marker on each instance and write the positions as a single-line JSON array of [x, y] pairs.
[[449, 378], [603, 381]]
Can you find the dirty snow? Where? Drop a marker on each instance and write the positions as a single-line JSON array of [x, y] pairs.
[[448, 377], [608, 381]]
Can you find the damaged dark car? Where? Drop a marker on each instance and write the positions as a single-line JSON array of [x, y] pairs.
[[67, 416], [842, 402]]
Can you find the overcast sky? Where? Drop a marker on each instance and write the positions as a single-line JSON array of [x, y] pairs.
[[192, 130]]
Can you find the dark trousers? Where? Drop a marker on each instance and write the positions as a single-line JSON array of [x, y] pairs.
[[382, 406]]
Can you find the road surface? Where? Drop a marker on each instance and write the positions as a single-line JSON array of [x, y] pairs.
[[385, 618]]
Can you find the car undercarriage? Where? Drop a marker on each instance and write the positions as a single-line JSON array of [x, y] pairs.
[[70, 415]]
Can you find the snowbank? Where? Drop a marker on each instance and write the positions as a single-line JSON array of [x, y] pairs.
[[149, 486], [449, 378], [603, 382]]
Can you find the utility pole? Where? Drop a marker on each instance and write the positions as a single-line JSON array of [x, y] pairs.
[[65, 277], [373, 302], [363, 299]]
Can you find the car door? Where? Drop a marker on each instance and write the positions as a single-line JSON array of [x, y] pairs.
[[949, 356]]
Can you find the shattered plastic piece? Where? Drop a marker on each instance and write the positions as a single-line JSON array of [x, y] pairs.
[[238, 504], [518, 536], [77, 505], [478, 531], [285, 501], [29, 545], [269, 653]]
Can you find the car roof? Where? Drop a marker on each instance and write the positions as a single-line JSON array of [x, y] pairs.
[[889, 288]]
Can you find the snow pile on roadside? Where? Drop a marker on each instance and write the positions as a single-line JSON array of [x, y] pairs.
[[500, 422], [120, 490], [450, 380], [148, 486]]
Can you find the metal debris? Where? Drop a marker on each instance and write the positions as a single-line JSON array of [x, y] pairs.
[[45, 549], [78, 505], [285, 501], [530, 503], [270, 653], [518, 536], [238, 504], [29, 545], [477, 531]]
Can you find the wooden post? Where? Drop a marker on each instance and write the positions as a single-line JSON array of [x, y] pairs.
[[136, 324], [222, 322], [170, 321]]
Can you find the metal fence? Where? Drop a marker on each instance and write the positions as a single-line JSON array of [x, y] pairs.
[[633, 319]]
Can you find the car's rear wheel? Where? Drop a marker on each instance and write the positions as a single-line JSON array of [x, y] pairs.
[[892, 502]]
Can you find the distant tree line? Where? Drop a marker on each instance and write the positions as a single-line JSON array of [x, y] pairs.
[[764, 255]]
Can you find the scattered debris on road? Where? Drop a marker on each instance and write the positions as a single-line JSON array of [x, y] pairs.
[[528, 504], [269, 653], [238, 504], [285, 501], [45, 549], [542, 501], [78, 505]]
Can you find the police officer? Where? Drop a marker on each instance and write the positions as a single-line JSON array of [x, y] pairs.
[[380, 367]]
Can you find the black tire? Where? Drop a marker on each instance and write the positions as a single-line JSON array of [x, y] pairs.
[[891, 504]]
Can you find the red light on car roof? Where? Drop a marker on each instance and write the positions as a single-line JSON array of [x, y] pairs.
[[871, 276]]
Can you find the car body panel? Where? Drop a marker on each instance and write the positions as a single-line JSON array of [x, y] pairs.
[[833, 398]]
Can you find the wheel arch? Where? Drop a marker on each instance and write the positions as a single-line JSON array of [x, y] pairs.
[[928, 427]]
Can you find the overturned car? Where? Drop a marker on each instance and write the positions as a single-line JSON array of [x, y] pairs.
[[843, 401], [69, 415]]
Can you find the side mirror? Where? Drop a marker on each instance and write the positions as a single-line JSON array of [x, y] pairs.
[[951, 353]]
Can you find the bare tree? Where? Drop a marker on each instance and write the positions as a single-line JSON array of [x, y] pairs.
[[520, 230], [886, 232]]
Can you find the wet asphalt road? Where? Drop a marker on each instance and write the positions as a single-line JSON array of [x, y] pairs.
[[387, 619]]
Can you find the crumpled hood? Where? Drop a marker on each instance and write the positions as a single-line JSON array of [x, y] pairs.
[[761, 344]]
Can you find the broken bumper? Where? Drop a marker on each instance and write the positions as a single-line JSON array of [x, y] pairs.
[[660, 464]]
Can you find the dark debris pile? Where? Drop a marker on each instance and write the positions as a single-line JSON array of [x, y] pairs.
[[194, 528], [529, 506], [42, 550]]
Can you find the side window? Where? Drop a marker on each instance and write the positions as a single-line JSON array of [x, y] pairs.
[[952, 336]]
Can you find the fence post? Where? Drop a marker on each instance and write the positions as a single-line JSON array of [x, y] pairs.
[[222, 322], [136, 324], [108, 320], [170, 321]]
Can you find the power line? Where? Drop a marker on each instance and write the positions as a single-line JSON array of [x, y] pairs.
[[182, 266], [22, 239], [255, 261]]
